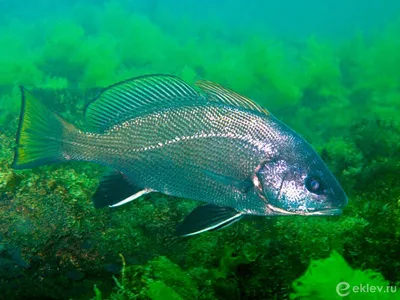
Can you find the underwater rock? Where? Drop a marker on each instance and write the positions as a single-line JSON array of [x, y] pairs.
[[9, 181], [75, 275], [113, 268]]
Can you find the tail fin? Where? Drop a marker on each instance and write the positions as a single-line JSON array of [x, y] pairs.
[[40, 136]]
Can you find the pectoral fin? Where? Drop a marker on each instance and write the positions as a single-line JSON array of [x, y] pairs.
[[242, 185], [207, 217], [116, 189]]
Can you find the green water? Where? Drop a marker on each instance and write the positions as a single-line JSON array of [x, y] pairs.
[[330, 71]]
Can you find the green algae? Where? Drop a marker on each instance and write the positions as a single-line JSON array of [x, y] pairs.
[[344, 98], [333, 278]]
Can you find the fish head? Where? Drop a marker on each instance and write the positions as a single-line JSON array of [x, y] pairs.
[[298, 182]]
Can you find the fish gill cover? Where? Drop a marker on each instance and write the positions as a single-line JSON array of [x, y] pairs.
[[338, 87]]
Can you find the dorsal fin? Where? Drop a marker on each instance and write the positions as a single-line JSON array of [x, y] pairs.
[[217, 92], [136, 96]]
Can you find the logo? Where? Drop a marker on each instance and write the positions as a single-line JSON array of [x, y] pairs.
[[344, 289]]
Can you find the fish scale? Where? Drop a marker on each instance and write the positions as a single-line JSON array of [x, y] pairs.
[[177, 148]]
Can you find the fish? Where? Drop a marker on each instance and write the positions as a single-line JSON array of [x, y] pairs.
[[158, 134]]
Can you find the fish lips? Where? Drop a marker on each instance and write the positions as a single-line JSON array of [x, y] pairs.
[[328, 211], [325, 212]]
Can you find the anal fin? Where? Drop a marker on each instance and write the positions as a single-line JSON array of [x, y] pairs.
[[207, 217], [116, 189]]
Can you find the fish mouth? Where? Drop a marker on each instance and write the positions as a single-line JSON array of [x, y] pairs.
[[321, 212], [325, 212]]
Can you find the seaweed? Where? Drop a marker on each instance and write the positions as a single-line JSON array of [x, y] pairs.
[[342, 96]]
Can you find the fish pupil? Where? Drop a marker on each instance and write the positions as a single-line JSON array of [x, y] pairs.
[[313, 185]]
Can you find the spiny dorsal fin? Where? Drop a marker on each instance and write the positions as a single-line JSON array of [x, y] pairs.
[[217, 92], [136, 96]]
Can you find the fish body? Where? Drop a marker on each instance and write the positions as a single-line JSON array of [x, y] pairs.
[[215, 146]]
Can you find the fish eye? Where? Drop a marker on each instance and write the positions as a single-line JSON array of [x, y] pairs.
[[314, 185]]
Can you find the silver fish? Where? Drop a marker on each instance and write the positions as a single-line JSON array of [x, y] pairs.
[[158, 134]]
